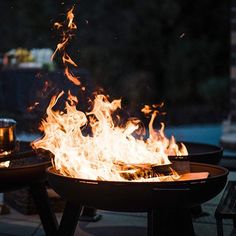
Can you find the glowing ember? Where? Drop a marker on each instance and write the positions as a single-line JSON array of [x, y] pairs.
[[4, 164], [108, 148], [32, 107]]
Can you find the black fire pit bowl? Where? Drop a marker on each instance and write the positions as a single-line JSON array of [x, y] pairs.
[[202, 153], [140, 196], [24, 171]]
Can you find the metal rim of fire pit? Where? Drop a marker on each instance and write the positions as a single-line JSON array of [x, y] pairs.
[[16, 177], [140, 196], [202, 152]]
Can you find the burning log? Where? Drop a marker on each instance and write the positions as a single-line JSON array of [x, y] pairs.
[[142, 171]]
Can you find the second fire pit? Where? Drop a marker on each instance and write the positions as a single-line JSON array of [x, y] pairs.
[[167, 203]]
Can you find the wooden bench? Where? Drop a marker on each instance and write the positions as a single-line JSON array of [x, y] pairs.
[[226, 208]]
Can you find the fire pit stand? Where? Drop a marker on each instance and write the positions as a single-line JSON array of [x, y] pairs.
[[170, 222], [47, 216], [69, 219], [168, 203], [41, 200], [160, 221]]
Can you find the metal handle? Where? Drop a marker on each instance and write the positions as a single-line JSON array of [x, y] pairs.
[[171, 189], [88, 182]]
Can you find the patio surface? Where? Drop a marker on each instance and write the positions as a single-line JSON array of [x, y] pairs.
[[112, 223], [127, 224]]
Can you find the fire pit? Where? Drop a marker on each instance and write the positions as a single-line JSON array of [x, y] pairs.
[[28, 170], [165, 202], [23, 171]]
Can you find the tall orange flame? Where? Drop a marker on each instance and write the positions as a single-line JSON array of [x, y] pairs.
[[70, 18], [67, 34]]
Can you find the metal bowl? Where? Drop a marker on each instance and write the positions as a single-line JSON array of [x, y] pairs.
[[7, 136], [140, 196]]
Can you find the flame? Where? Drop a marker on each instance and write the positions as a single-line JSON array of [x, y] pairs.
[[60, 46], [5, 164], [32, 107], [95, 155], [66, 59], [67, 34], [70, 17], [71, 77], [45, 86], [90, 145]]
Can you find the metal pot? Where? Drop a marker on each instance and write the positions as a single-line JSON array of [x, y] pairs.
[[7, 136]]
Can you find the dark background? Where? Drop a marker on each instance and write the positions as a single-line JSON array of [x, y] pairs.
[[176, 51]]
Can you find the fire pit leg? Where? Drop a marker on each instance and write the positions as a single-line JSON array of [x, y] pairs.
[[165, 222], [42, 203], [69, 219], [152, 222]]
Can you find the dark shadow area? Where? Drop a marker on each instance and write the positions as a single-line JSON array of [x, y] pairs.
[[144, 52], [114, 231]]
